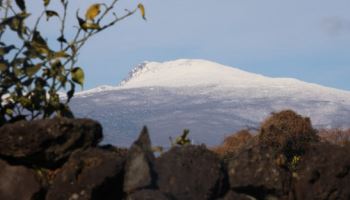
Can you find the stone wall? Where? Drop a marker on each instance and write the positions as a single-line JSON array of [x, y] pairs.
[[60, 159]]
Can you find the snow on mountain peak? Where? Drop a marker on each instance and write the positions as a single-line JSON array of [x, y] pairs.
[[185, 72], [208, 98], [194, 72]]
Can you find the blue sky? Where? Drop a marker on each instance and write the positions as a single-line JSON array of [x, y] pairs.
[[308, 40]]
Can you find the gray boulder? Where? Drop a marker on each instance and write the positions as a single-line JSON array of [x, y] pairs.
[[139, 169]]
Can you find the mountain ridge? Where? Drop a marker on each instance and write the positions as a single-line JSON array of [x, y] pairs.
[[151, 69], [202, 102]]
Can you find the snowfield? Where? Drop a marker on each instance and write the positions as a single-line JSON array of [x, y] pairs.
[[210, 99]]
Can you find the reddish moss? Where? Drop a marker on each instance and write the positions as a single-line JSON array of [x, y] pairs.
[[335, 136], [233, 142], [287, 132]]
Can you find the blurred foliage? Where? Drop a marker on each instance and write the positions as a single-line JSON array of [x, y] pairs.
[[181, 140], [233, 143], [335, 136], [288, 132], [31, 72]]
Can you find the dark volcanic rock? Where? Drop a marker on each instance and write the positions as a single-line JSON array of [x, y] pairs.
[[257, 172], [147, 195], [324, 173], [18, 183], [90, 174], [231, 195], [139, 172], [48, 142], [190, 172]]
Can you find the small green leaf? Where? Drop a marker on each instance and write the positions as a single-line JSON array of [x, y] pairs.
[[18, 72], [91, 26], [81, 22], [57, 69], [142, 10], [62, 39], [39, 45], [37, 38], [30, 71], [6, 49], [16, 23], [3, 66], [25, 102], [51, 13], [93, 11], [60, 54], [46, 2], [21, 4], [9, 111], [78, 76], [62, 79]]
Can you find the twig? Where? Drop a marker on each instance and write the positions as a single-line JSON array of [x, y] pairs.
[[63, 21], [107, 11], [79, 43]]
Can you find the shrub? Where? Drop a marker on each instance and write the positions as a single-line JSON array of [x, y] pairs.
[[181, 140], [288, 133], [233, 142], [34, 70], [335, 136]]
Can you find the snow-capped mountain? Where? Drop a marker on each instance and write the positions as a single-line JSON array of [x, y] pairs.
[[210, 99]]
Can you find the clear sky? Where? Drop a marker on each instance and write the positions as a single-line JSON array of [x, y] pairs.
[[304, 39]]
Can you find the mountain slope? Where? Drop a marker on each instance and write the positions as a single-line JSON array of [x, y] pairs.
[[210, 99]]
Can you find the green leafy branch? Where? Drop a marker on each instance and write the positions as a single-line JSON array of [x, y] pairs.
[[31, 72]]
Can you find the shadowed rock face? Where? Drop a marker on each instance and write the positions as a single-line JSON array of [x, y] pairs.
[[48, 142], [255, 170], [231, 195], [324, 173], [90, 174], [17, 182], [147, 195], [190, 172]]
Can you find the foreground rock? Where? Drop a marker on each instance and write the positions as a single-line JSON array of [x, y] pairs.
[[58, 159], [139, 170], [18, 183], [147, 195], [90, 174], [231, 195], [324, 173], [190, 172], [48, 142], [258, 172]]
